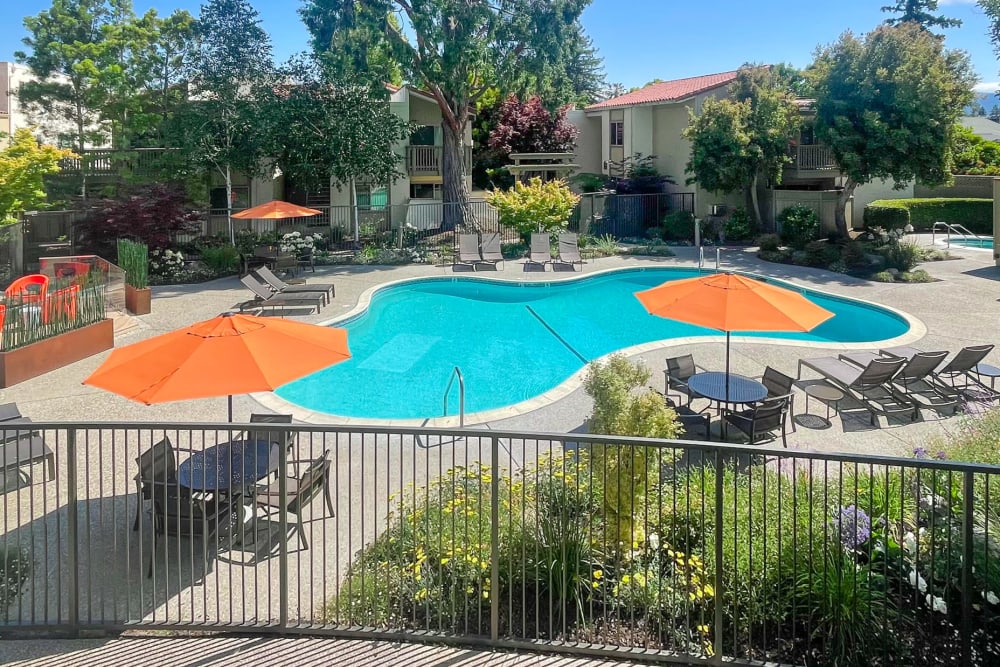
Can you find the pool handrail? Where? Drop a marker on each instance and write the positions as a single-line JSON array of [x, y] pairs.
[[456, 373], [951, 228]]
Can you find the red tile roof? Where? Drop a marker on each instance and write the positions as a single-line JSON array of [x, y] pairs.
[[667, 91]]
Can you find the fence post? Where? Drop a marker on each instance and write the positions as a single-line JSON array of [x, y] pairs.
[[72, 532], [283, 541], [719, 555], [494, 538], [967, 565]]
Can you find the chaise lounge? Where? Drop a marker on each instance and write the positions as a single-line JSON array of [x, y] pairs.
[[915, 380], [264, 298], [279, 286], [871, 385], [541, 250]]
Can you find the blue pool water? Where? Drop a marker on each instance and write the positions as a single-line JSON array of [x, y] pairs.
[[978, 242], [513, 341]]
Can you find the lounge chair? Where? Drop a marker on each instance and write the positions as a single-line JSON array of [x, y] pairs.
[[21, 446], [265, 298], [569, 249], [676, 375], [959, 374], [468, 251], [915, 380], [541, 250], [278, 285], [490, 249], [871, 385], [764, 420]]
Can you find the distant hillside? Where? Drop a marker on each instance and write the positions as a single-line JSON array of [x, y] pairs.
[[988, 102]]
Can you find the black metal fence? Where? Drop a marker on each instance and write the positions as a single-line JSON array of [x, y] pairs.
[[570, 542]]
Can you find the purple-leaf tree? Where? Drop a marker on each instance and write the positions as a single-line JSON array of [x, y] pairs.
[[529, 127]]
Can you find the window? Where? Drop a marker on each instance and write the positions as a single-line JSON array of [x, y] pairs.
[[422, 136], [617, 133], [425, 191], [371, 197], [241, 197]]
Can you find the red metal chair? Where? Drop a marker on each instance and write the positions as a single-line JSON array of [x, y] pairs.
[[60, 303], [28, 289]]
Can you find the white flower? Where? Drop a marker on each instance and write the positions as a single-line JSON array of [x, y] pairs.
[[654, 541], [910, 542], [937, 604], [917, 581], [991, 597]]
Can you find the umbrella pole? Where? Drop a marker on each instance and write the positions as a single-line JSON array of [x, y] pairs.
[[230, 408], [727, 368]]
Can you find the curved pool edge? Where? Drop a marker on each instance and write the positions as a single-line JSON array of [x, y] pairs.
[[916, 331]]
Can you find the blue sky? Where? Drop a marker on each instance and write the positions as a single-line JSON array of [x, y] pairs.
[[646, 39]]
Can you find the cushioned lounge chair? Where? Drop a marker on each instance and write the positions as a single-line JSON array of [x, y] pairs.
[[280, 286], [569, 249], [959, 374], [265, 298], [490, 249], [871, 385], [468, 251], [915, 380], [541, 250]]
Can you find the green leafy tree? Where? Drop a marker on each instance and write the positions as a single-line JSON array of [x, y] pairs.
[[352, 47], [23, 168], [322, 126], [574, 77], [736, 141], [231, 70], [74, 51], [535, 206], [457, 50], [887, 104], [167, 60], [919, 12], [973, 154]]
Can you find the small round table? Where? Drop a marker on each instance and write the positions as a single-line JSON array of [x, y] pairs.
[[714, 386], [987, 371], [826, 393], [229, 467]]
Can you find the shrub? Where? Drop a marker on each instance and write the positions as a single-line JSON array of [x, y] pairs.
[[922, 213], [739, 226], [221, 259], [853, 256], [883, 277], [769, 242], [15, 568], [900, 255], [535, 207], [133, 258], [779, 256], [821, 254], [150, 214], [918, 276], [799, 225], [678, 226]]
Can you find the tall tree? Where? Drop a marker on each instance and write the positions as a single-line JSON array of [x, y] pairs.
[[23, 167], [74, 51], [457, 50], [218, 126], [168, 58], [352, 47], [736, 141], [322, 125], [615, 89], [919, 12], [887, 104]]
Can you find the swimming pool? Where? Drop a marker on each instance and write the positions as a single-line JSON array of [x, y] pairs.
[[514, 341], [978, 242]]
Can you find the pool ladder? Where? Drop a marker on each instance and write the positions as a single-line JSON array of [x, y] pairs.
[[956, 228], [456, 373]]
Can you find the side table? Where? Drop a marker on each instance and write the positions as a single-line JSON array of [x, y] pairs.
[[826, 393]]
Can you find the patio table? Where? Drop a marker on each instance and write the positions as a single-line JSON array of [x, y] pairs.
[[229, 466], [712, 385]]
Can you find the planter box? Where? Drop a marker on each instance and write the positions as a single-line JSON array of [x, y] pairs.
[[137, 301], [47, 355]]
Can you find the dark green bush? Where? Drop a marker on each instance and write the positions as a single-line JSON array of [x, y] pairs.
[[902, 256], [739, 226], [853, 256], [769, 242], [799, 225], [15, 568], [678, 226], [779, 256], [221, 259], [821, 254], [975, 214]]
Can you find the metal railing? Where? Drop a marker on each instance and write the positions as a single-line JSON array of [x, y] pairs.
[[953, 228], [456, 374], [680, 550], [814, 156]]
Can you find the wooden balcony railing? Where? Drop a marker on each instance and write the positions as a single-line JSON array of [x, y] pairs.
[[426, 160], [106, 162], [815, 157]]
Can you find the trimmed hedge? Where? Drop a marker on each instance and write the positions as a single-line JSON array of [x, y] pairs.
[[975, 214]]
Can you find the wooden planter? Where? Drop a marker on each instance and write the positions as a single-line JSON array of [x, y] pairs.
[[49, 354], [137, 301]]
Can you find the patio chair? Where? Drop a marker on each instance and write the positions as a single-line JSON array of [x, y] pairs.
[[307, 260], [280, 286], [156, 464], [676, 375], [265, 298], [286, 262], [490, 249], [779, 384], [915, 380], [871, 386], [299, 491], [28, 289], [569, 249], [959, 374], [282, 437], [20, 446], [541, 250], [691, 421], [764, 420], [468, 251]]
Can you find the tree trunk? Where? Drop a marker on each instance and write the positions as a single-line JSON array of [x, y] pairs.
[[353, 193], [842, 200], [453, 170], [80, 125], [229, 204], [752, 205]]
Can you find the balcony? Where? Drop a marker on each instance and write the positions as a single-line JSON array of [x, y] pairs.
[[107, 162], [426, 160], [814, 157]]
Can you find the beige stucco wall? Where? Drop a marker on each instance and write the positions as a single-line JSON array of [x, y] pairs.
[[880, 189], [587, 153]]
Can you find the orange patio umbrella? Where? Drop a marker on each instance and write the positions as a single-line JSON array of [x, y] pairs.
[[730, 302], [226, 355], [276, 210]]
